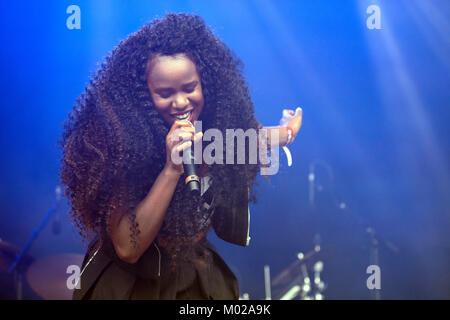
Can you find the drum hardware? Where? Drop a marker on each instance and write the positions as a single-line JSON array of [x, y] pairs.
[[49, 276], [12, 281], [374, 239], [14, 267], [294, 283]]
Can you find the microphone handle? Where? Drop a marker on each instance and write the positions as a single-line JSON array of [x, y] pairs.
[[192, 180]]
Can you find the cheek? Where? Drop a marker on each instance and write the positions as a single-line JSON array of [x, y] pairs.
[[162, 110], [161, 106], [198, 98]]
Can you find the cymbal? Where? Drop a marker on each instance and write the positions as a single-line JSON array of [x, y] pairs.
[[8, 253], [49, 276]]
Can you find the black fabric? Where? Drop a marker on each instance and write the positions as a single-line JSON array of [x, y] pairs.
[[232, 223], [205, 276], [107, 277]]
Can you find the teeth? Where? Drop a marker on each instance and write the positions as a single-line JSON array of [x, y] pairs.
[[183, 116]]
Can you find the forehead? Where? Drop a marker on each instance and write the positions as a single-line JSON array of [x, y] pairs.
[[167, 71]]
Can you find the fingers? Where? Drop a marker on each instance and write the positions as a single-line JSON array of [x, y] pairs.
[[182, 138], [186, 143], [181, 135], [297, 120], [177, 150], [180, 131], [291, 113], [299, 117], [183, 146], [287, 113], [183, 124], [198, 136]]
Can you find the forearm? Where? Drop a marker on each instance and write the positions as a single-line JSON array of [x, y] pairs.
[[150, 214]]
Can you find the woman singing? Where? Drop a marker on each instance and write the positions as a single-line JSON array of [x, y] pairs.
[[128, 195]]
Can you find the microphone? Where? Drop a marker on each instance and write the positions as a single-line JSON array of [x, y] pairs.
[[56, 226], [192, 180]]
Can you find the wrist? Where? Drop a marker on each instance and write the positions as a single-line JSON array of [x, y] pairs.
[[171, 172], [290, 135]]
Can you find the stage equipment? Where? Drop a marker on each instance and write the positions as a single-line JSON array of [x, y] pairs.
[[51, 277]]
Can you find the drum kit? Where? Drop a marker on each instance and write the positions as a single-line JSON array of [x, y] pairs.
[[47, 277], [301, 280]]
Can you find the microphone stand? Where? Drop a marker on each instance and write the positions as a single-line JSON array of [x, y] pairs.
[[373, 258], [312, 189], [374, 238], [14, 266]]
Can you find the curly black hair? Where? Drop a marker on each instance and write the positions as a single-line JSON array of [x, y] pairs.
[[114, 139]]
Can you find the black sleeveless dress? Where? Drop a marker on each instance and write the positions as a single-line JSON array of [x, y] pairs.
[[204, 276]]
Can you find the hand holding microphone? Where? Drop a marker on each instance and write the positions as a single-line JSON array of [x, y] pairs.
[[179, 153]]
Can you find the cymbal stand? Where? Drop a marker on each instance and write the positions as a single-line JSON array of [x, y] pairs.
[[18, 274], [375, 239], [376, 295]]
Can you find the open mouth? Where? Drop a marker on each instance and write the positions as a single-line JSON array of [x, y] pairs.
[[184, 116]]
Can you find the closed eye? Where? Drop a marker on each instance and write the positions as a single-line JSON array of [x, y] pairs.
[[189, 90], [164, 93], [167, 92], [190, 87]]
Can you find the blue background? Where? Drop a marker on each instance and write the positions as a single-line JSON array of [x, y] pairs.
[[375, 124]]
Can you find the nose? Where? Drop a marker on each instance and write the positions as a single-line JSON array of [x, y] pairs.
[[180, 102]]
